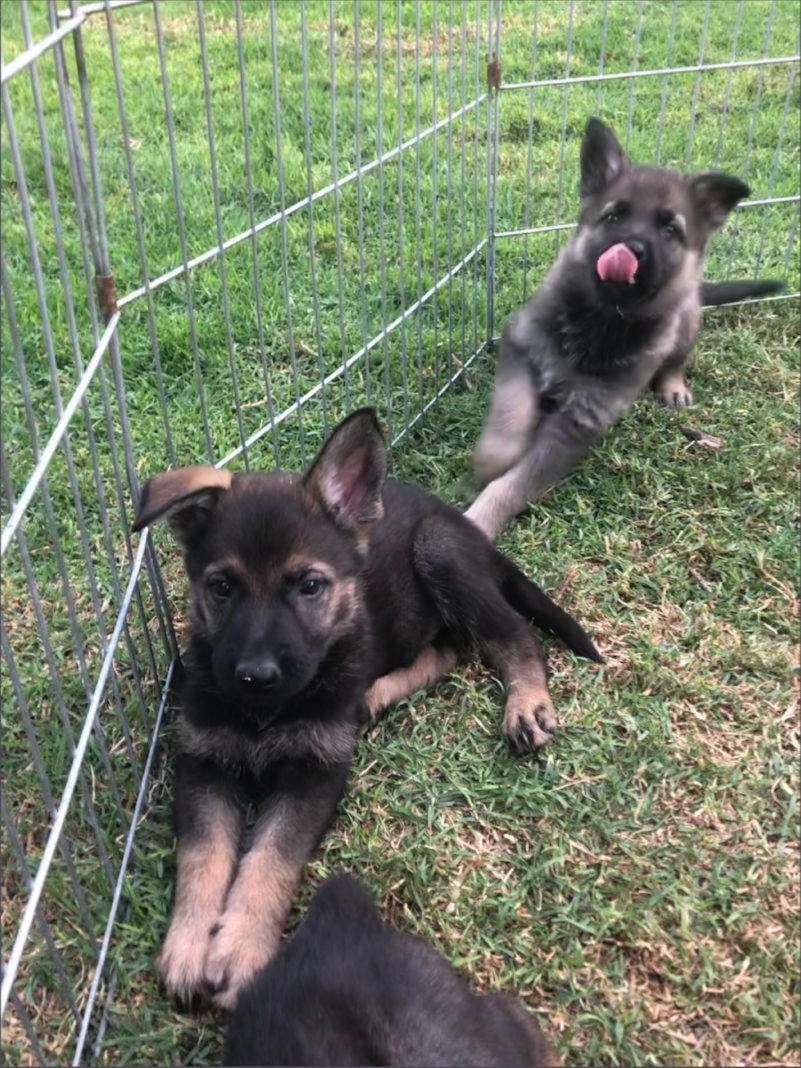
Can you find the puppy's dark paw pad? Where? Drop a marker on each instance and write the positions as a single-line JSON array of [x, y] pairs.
[[527, 728]]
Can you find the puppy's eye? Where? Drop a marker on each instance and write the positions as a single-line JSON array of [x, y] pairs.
[[221, 587], [611, 218], [311, 586], [670, 230]]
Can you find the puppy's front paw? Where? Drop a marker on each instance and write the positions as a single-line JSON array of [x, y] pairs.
[[673, 393], [528, 723], [237, 951], [180, 965]]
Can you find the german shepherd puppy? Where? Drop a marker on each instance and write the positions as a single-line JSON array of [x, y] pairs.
[[304, 590], [349, 990], [618, 312]]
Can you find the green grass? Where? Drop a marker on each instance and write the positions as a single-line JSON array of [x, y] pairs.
[[638, 884]]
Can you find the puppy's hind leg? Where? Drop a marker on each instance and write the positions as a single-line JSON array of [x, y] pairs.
[[455, 562], [432, 663]]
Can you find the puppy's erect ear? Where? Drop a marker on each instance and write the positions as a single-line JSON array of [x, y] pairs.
[[185, 496], [347, 478], [602, 158], [715, 195]]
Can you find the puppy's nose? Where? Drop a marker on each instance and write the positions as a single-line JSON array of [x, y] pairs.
[[258, 674], [638, 248]]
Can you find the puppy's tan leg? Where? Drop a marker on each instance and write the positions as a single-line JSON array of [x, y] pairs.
[[558, 444], [529, 718], [669, 385], [513, 411], [287, 830], [206, 855], [429, 666]]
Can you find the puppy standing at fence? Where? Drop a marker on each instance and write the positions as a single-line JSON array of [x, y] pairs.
[[304, 591], [618, 313]]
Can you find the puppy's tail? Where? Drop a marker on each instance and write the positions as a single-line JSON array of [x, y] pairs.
[[537, 607], [714, 293]]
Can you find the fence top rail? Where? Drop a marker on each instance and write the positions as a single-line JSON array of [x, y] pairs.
[[656, 72], [73, 21]]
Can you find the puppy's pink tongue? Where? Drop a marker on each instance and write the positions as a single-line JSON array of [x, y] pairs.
[[617, 264]]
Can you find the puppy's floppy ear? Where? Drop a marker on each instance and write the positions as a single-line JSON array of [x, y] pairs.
[[715, 195], [347, 478], [602, 158], [185, 496]]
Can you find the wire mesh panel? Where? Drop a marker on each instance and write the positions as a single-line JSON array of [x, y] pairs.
[[226, 224]]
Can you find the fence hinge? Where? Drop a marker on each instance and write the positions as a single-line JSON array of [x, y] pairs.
[[106, 288], [493, 73]]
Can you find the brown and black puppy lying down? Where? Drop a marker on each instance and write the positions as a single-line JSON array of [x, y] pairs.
[[618, 313], [349, 990], [304, 591]]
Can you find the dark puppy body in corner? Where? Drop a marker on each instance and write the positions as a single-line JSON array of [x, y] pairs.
[[349, 990], [619, 312], [304, 591]]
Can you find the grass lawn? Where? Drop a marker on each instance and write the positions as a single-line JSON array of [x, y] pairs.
[[638, 883]]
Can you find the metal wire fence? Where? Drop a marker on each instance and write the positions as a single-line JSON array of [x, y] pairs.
[[224, 225]]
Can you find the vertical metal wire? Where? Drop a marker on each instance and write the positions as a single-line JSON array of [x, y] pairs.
[[490, 195], [43, 631], [530, 147], [332, 75], [601, 59], [751, 130], [11, 838], [254, 249], [359, 197], [401, 281], [774, 168], [104, 264], [140, 242], [279, 160], [75, 630], [44, 785], [560, 189], [215, 193], [634, 61], [496, 128], [103, 268], [434, 195], [77, 360], [418, 232], [669, 56], [89, 246], [381, 251], [729, 77], [476, 119], [697, 85], [309, 190], [449, 194], [30, 1034], [791, 237], [51, 359], [179, 217], [462, 179]]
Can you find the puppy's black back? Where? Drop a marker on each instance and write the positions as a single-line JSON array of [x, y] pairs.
[[348, 990]]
